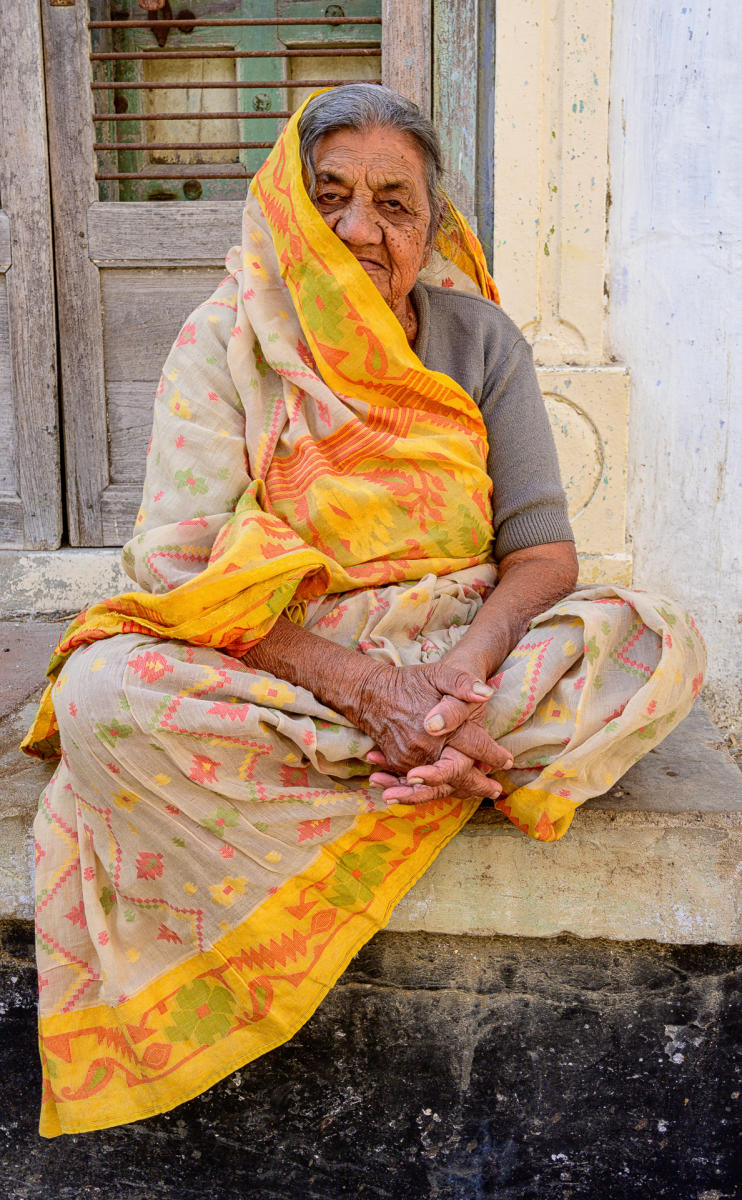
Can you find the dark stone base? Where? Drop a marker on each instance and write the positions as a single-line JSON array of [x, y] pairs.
[[438, 1069]]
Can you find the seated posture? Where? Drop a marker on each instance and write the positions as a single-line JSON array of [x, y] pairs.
[[358, 620]]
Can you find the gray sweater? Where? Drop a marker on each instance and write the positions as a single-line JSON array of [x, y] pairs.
[[474, 342]]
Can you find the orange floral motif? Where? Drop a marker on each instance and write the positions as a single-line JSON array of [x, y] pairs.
[[293, 777], [187, 335], [203, 769], [77, 916], [164, 934], [149, 865], [313, 829]]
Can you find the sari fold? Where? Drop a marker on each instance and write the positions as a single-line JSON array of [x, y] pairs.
[[210, 854]]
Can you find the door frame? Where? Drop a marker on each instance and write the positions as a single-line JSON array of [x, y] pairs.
[[30, 518]]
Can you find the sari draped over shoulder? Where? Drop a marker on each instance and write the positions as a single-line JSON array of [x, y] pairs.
[[210, 854]]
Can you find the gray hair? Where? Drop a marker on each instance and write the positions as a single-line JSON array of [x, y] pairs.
[[364, 106]]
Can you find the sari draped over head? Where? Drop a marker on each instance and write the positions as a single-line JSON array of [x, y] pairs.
[[210, 854]]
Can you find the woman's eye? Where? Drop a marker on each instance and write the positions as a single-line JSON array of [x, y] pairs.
[[393, 205], [329, 198]]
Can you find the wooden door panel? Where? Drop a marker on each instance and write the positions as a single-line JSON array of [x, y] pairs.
[[143, 311], [30, 478], [8, 441], [142, 234], [130, 267]]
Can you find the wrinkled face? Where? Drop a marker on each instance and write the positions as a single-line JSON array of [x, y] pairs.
[[371, 191]]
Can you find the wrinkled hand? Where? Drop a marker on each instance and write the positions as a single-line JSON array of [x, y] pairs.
[[454, 773], [391, 707]]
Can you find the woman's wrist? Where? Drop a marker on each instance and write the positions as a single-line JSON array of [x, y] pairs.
[[480, 652], [338, 677]]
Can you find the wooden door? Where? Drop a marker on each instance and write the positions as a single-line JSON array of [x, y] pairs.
[[130, 267], [30, 481], [157, 121]]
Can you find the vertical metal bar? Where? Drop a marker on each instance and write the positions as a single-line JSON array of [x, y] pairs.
[[485, 173]]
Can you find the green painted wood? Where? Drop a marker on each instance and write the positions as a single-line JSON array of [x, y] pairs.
[[248, 100], [463, 106]]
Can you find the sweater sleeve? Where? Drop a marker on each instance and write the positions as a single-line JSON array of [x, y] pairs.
[[528, 500], [196, 462]]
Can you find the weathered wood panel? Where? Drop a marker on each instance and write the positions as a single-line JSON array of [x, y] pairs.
[[119, 508], [69, 102], [151, 234], [142, 313], [129, 425], [406, 49], [8, 441], [143, 310], [5, 259], [33, 517], [455, 98]]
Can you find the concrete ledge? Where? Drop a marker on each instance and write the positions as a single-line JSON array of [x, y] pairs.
[[54, 581], [657, 857], [37, 582]]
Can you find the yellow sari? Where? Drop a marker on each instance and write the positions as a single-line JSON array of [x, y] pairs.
[[209, 852]]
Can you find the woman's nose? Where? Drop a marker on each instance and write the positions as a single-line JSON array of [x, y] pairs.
[[357, 224]]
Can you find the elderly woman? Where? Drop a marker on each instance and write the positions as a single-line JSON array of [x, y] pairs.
[[263, 753]]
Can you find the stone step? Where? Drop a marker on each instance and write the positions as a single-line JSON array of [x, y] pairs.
[[657, 857], [438, 1068]]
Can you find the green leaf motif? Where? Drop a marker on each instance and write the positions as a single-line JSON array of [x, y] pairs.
[[107, 899], [111, 732], [223, 818], [202, 1012], [591, 649], [357, 874], [196, 484], [649, 731]]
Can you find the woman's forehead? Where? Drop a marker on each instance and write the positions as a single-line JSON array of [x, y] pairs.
[[384, 157]]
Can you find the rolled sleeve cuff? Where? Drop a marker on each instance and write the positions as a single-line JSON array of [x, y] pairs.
[[535, 527]]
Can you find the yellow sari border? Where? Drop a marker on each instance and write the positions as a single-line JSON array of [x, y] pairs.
[[250, 992]]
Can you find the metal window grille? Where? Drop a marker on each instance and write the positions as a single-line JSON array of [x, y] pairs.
[[187, 102]]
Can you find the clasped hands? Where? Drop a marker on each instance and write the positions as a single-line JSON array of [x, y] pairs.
[[428, 725]]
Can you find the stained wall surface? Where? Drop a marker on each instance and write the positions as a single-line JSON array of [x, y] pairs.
[[675, 310]]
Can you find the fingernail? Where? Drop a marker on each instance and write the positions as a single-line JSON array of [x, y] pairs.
[[413, 779], [435, 724], [507, 764], [481, 689]]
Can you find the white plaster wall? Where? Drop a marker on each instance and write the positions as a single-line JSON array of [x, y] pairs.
[[675, 263]]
